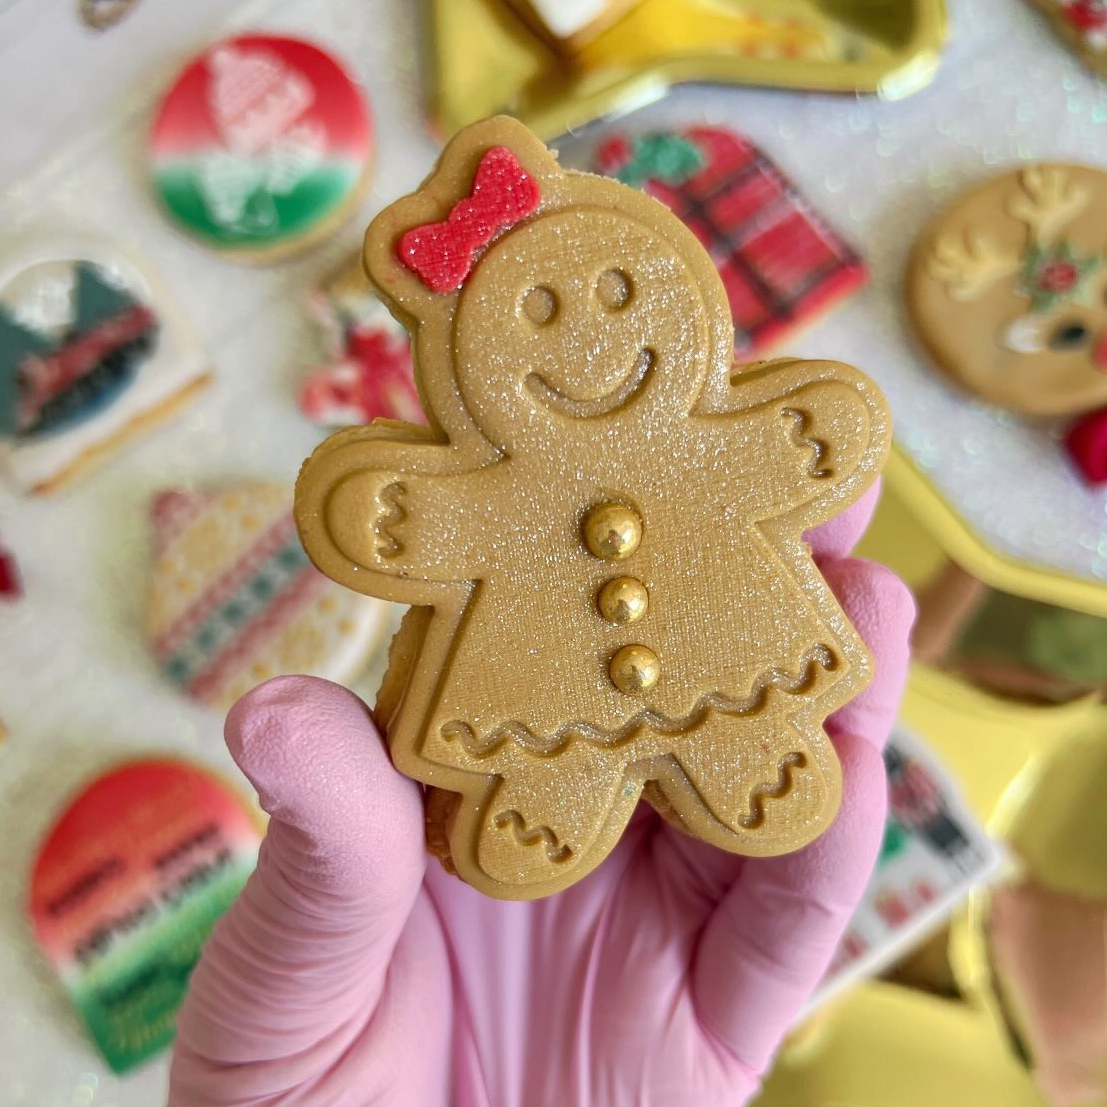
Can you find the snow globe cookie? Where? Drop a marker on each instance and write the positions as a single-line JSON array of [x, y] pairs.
[[261, 146], [1008, 293], [91, 352], [235, 601]]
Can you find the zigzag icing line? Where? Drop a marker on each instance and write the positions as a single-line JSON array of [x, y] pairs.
[[775, 790], [531, 836], [818, 448], [389, 498], [782, 681]]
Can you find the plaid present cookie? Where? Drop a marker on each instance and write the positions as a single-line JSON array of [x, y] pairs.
[[781, 265]]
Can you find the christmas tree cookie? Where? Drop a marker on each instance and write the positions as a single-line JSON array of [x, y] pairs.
[[261, 145]]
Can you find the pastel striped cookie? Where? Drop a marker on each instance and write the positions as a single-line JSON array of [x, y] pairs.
[[261, 145], [235, 601]]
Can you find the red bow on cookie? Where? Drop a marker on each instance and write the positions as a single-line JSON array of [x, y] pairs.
[[442, 254]]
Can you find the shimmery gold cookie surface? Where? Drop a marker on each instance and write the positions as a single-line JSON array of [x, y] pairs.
[[602, 527]]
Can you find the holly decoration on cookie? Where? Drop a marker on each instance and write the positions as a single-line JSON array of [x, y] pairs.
[[1055, 274], [600, 530], [780, 263]]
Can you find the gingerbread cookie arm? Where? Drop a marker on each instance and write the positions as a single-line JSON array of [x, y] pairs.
[[817, 432], [389, 511]]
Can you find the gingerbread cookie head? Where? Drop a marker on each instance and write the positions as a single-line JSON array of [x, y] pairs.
[[1008, 290], [600, 529], [536, 343]]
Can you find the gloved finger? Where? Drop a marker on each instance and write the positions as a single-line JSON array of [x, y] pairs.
[[770, 939], [837, 537], [882, 610], [297, 965]]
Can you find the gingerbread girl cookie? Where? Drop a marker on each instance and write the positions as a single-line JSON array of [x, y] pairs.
[[600, 529], [1008, 292]]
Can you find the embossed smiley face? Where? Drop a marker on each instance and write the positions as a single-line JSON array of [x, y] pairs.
[[570, 318], [1010, 290]]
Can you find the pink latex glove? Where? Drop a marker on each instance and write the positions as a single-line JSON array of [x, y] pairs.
[[353, 972]]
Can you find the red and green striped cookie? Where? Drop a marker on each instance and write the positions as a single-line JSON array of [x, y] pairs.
[[261, 145], [126, 888]]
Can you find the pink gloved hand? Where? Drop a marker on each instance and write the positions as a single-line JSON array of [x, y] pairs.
[[352, 973]]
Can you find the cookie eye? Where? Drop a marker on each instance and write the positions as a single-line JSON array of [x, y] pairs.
[[540, 305], [1068, 335], [613, 289]]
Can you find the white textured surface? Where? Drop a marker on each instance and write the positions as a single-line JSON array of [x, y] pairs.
[[77, 690]]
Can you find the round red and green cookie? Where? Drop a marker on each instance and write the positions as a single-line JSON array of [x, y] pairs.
[[261, 145]]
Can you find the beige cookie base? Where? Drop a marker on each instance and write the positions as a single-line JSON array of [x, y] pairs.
[[286, 249], [1096, 60], [136, 426], [614, 11]]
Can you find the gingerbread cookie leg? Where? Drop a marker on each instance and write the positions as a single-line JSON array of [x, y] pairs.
[[547, 823], [764, 798]]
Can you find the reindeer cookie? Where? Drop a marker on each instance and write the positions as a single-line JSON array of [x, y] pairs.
[[1008, 291], [600, 529]]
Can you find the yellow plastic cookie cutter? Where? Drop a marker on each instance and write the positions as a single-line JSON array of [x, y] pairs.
[[486, 59]]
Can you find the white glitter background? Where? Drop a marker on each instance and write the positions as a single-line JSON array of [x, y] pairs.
[[77, 690]]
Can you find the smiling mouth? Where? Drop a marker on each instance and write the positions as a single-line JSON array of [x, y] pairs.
[[619, 396]]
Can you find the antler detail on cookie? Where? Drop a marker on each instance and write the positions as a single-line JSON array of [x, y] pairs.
[[1047, 202], [971, 264]]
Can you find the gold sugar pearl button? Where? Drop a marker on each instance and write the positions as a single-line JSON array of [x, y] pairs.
[[634, 669], [623, 600], [612, 531]]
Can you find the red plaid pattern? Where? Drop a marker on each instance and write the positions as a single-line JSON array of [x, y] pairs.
[[780, 264]]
